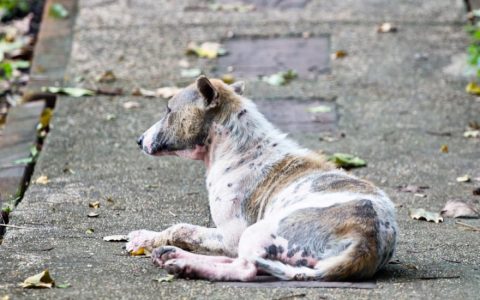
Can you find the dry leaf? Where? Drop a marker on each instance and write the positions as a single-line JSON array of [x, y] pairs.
[[42, 180], [115, 238], [143, 92], [338, 54], [206, 50], [422, 214], [464, 178], [168, 278], [458, 209], [386, 27], [131, 104], [40, 280], [444, 148], [94, 204], [107, 77], [167, 92], [93, 214], [472, 134]]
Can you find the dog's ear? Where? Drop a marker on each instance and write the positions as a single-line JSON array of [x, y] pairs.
[[207, 90], [238, 87]]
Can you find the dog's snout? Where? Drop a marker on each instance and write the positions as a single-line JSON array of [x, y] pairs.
[[140, 141]]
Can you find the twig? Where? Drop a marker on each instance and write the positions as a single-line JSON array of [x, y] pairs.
[[471, 227], [15, 226]]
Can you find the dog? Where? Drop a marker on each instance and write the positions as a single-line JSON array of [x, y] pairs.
[[279, 209]]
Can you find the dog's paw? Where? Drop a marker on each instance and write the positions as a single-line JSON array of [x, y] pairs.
[[140, 241], [177, 267], [163, 254]]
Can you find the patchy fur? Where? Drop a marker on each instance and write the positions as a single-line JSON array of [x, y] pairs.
[[278, 208]]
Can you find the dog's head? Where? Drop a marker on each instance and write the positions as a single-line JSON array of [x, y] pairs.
[[184, 128]]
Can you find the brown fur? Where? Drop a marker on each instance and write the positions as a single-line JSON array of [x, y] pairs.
[[282, 174]]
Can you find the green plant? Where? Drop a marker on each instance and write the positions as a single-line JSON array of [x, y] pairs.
[[9, 8]]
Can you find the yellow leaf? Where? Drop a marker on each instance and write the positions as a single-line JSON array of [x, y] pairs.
[[228, 78], [138, 252], [444, 148], [42, 180], [45, 117], [473, 88], [40, 280]]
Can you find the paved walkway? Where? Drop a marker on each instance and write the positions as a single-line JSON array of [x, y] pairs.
[[391, 91]]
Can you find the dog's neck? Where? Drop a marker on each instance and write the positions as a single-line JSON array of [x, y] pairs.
[[245, 131]]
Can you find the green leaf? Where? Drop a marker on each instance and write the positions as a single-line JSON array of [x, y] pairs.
[[63, 285], [347, 160], [7, 70], [281, 78], [319, 109], [190, 73], [20, 64], [58, 11], [70, 91]]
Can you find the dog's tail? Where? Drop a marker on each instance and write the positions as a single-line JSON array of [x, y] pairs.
[[354, 262]]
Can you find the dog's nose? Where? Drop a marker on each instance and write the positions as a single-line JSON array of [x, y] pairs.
[[140, 141]]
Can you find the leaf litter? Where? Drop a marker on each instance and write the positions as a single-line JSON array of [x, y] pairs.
[[168, 278], [459, 209], [422, 214], [40, 280]]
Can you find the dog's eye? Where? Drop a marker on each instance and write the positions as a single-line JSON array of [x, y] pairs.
[[169, 110]]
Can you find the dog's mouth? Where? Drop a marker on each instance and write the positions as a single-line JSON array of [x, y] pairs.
[[197, 153]]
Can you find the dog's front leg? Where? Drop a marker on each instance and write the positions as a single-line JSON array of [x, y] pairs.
[[186, 236]]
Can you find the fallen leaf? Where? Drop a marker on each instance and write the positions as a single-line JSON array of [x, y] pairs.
[[110, 117], [412, 188], [472, 134], [347, 160], [167, 92], [90, 231], [70, 91], [93, 214], [338, 54], [40, 280], [58, 11], [144, 92], [386, 27], [168, 278], [420, 195], [476, 191], [228, 78], [131, 104], [94, 204], [208, 50], [473, 88], [109, 91], [319, 109], [474, 125], [42, 180], [63, 285], [281, 78], [138, 252], [115, 238], [45, 118], [464, 178], [444, 148], [458, 209], [190, 73], [422, 214], [107, 77], [232, 7]]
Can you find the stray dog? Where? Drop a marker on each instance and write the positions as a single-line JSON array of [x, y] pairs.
[[279, 209]]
